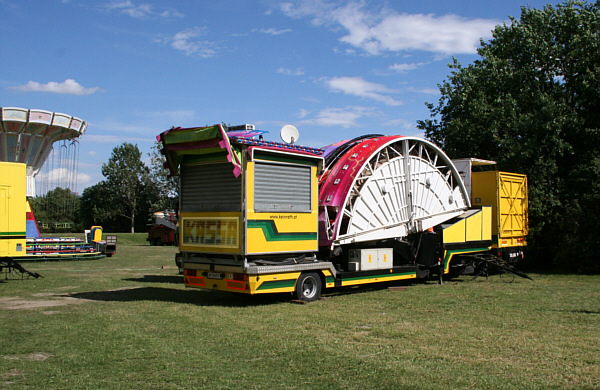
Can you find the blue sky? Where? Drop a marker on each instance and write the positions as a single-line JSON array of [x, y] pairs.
[[334, 69]]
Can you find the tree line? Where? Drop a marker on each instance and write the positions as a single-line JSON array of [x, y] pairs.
[[123, 202]]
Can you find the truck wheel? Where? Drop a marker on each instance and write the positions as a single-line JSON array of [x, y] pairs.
[[308, 287]]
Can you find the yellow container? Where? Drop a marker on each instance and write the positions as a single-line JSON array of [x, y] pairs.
[[507, 194], [13, 201]]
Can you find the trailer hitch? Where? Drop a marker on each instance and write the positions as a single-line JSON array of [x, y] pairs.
[[487, 264]]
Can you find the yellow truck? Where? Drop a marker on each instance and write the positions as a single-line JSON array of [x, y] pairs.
[[259, 216]]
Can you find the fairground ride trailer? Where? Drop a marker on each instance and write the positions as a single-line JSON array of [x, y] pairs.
[[264, 217]]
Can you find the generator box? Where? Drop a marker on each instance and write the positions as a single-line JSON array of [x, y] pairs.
[[368, 259]]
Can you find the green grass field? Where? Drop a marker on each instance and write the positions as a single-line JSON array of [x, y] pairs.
[[127, 322]]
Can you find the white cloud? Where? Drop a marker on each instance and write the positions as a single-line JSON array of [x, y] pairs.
[[274, 31], [91, 153], [142, 11], [291, 72], [403, 68], [62, 177], [69, 87], [376, 32], [357, 86], [344, 117], [303, 113], [447, 34], [83, 179], [319, 10], [187, 41]]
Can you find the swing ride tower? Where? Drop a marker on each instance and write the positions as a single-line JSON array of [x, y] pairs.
[[27, 136]]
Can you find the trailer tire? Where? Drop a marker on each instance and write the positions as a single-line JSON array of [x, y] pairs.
[[308, 287]]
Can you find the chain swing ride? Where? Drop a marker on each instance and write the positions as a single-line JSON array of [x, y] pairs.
[[29, 140]]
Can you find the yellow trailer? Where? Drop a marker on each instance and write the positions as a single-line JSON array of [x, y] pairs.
[[12, 209], [260, 217]]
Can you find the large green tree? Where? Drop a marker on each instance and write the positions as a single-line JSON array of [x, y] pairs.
[[532, 103], [167, 187], [127, 183]]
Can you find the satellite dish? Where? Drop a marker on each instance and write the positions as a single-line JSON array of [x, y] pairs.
[[289, 134]]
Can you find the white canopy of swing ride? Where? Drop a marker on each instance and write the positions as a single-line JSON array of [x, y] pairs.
[[47, 142]]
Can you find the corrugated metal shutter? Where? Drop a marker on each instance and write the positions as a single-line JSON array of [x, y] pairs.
[[279, 187], [210, 187]]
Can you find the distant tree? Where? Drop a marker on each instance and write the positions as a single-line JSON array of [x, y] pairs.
[[128, 184], [167, 187], [56, 209], [532, 103], [97, 209]]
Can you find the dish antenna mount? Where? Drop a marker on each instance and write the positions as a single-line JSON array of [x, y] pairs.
[[289, 134]]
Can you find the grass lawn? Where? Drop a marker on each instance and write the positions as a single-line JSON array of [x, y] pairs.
[[127, 322]]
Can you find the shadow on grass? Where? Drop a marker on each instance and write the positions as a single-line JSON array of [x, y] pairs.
[[217, 298], [173, 279], [171, 295], [583, 311]]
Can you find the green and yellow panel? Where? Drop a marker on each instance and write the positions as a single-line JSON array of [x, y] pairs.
[[450, 253], [281, 232], [247, 284], [382, 276], [470, 233]]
